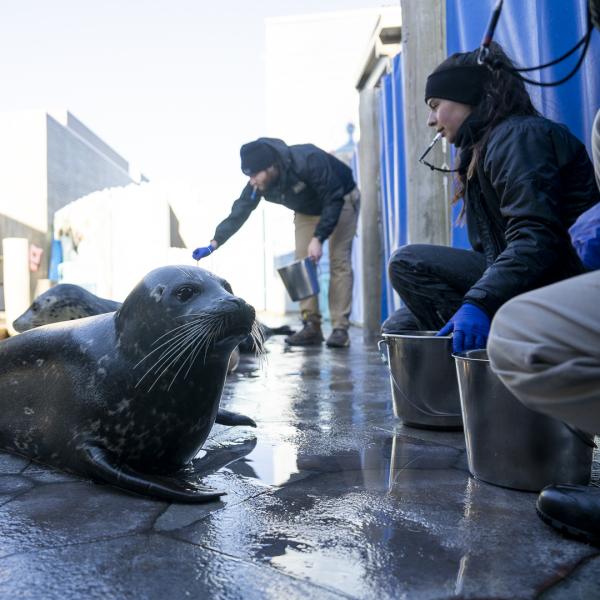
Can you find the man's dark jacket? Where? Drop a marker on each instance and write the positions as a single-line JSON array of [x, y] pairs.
[[311, 181], [532, 182]]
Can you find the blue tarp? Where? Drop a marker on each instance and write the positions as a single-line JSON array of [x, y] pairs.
[[532, 32], [393, 175]]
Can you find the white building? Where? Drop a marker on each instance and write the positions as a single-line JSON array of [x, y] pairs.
[[48, 159]]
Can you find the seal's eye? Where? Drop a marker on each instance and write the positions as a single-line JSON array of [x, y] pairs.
[[184, 293]]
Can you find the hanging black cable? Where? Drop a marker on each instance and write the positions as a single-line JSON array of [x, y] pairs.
[[556, 60], [483, 57], [586, 39]]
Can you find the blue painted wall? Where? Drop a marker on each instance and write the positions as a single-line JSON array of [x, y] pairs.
[[393, 175]]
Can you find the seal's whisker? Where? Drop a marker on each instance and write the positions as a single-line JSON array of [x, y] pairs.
[[258, 338], [167, 354], [189, 358], [173, 362], [182, 335], [202, 341], [214, 336], [180, 347], [174, 348], [167, 343], [183, 331], [187, 324], [196, 326], [181, 350]]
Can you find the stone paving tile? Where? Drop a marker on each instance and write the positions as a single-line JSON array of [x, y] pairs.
[[12, 464], [583, 584], [146, 567], [57, 514]]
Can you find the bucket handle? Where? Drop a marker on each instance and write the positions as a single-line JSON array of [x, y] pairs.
[[433, 412], [382, 353], [581, 435]]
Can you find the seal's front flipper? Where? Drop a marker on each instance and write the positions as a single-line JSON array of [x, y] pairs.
[[226, 417], [101, 465]]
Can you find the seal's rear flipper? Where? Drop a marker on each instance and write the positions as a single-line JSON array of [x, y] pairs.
[[102, 466], [284, 330], [226, 417]]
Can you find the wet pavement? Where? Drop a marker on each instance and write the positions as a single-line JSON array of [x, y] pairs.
[[330, 497]]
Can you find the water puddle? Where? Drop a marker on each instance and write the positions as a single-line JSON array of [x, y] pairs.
[[321, 566], [271, 465]]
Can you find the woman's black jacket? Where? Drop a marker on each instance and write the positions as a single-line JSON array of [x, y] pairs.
[[532, 182]]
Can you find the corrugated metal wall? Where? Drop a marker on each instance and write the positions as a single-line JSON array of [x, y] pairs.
[[532, 32]]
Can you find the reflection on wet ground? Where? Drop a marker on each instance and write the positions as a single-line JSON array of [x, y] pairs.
[[330, 497]]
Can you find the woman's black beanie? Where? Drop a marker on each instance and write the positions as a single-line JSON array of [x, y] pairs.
[[458, 78]]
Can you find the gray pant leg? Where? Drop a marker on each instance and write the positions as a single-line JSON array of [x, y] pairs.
[[545, 346]]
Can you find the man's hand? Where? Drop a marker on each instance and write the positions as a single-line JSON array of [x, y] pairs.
[[471, 327], [204, 251], [315, 250]]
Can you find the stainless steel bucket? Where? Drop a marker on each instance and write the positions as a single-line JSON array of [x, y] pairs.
[[300, 279], [423, 379], [510, 445]]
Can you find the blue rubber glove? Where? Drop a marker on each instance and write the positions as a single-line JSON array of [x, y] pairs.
[[585, 236], [199, 253], [471, 327]]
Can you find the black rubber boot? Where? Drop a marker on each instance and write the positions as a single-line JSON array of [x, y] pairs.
[[572, 509], [338, 339], [309, 335]]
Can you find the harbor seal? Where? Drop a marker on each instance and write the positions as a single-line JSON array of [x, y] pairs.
[[67, 301], [63, 302], [129, 397]]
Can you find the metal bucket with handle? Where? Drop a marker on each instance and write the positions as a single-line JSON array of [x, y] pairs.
[[423, 379], [300, 279], [509, 444]]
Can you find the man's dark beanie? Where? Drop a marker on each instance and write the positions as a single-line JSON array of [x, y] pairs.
[[458, 78], [256, 156]]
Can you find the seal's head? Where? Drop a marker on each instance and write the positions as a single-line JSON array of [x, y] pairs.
[[183, 312], [63, 302]]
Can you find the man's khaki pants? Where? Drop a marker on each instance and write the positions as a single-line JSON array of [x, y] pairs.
[[340, 261]]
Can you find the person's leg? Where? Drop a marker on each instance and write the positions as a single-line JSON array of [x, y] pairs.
[[340, 269], [401, 320], [304, 226], [431, 281], [545, 347]]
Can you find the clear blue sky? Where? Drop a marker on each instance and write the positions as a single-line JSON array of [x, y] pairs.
[[174, 86]]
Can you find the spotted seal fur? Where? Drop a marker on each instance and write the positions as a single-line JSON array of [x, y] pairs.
[[129, 397]]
